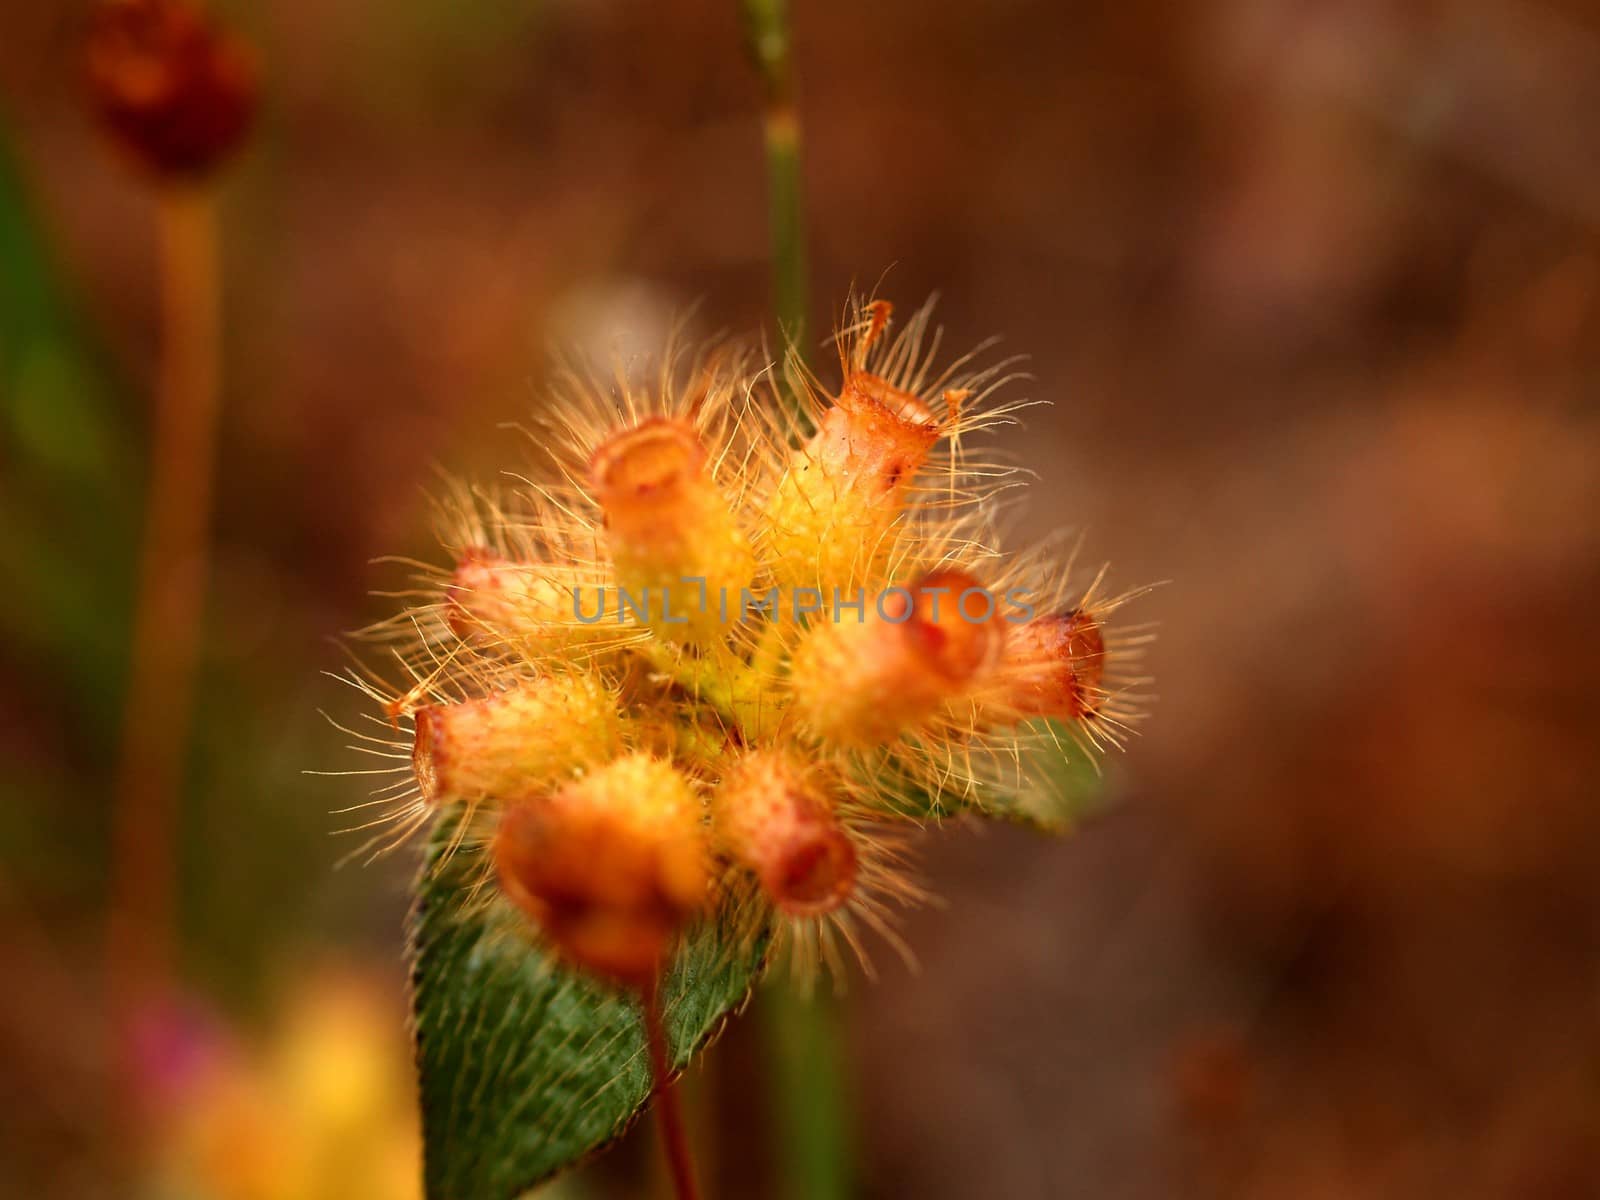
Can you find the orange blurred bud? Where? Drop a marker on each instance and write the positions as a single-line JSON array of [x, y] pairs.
[[919, 648], [1053, 667], [640, 474], [503, 744], [610, 867], [773, 818], [540, 606], [175, 93], [672, 534], [847, 486], [482, 592]]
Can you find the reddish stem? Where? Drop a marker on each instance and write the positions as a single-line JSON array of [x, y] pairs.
[[174, 562], [668, 1113]]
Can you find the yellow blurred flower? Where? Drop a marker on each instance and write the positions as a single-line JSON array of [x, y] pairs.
[[322, 1109]]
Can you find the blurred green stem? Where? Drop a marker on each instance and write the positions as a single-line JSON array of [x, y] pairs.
[[788, 230], [766, 24], [809, 1092]]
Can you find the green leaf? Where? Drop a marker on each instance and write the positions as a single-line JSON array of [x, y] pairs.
[[526, 1067], [1055, 785]]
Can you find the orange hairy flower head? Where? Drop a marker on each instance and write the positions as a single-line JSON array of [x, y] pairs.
[[800, 613], [657, 465], [482, 593], [874, 440]]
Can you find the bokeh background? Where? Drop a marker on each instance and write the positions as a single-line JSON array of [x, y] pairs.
[[1313, 289]]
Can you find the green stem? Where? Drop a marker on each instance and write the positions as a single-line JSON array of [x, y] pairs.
[[766, 24], [806, 1057], [788, 226]]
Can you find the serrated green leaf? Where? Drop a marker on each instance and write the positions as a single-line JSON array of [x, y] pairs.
[[525, 1066]]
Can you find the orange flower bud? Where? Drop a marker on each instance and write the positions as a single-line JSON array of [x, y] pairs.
[[845, 488], [479, 598], [773, 818], [668, 525], [539, 606], [877, 435], [504, 744], [174, 92], [609, 867], [863, 389], [1053, 667], [919, 648]]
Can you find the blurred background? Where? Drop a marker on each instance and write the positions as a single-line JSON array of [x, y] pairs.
[[1314, 290]]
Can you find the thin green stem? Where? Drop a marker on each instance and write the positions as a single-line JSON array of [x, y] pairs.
[[788, 226], [806, 1058], [766, 24]]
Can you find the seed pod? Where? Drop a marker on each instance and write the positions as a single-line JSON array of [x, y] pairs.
[[918, 649], [1052, 667], [841, 493], [609, 867], [773, 818], [174, 92], [669, 525], [505, 744]]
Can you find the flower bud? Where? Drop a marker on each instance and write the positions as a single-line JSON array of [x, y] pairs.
[[918, 649], [610, 867], [541, 607], [174, 92], [846, 487], [772, 818], [1052, 667], [863, 389], [673, 538], [479, 598], [502, 745]]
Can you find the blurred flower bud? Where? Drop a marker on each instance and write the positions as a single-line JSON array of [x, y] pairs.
[[848, 484], [918, 648], [773, 819], [1053, 667], [540, 607], [667, 524], [175, 93], [502, 745], [609, 867]]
